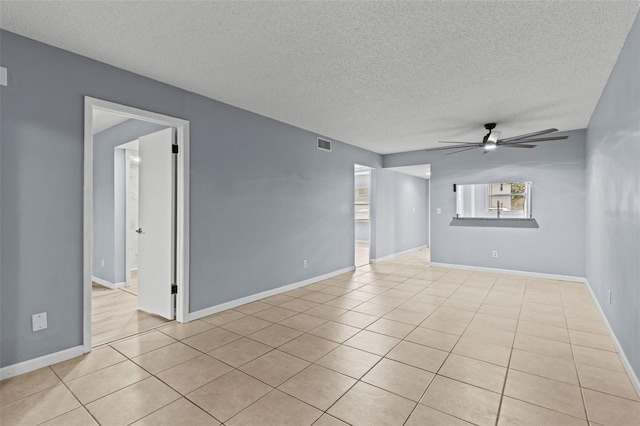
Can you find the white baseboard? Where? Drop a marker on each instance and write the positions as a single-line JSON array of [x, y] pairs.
[[50, 359], [40, 362], [391, 256], [252, 298], [511, 272], [106, 283], [625, 361]]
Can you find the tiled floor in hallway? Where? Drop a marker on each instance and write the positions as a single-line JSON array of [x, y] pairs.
[[362, 253], [115, 314], [396, 343]]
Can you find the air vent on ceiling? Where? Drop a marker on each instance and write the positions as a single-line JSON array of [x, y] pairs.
[[324, 144]]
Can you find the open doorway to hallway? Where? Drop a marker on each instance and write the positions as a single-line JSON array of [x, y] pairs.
[[136, 205], [116, 305], [362, 209]]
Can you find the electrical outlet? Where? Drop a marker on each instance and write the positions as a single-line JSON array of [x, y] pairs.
[[494, 253], [304, 263], [39, 321], [102, 263], [609, 296], [438, 210]]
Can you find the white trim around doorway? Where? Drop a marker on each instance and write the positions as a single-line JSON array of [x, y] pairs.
[[182, 127]]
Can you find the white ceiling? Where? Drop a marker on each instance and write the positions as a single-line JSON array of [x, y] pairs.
[[103, 120], [386, 76], [131, 146]]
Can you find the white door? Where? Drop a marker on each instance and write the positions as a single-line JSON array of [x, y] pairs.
[[156, 224]]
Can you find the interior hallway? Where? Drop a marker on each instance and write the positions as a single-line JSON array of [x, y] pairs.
[[397, 342]]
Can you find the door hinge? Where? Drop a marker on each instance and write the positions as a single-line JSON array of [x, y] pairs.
[[174, 289], [174, 149]]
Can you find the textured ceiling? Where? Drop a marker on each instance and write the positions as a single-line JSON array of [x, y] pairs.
[[385, 76]]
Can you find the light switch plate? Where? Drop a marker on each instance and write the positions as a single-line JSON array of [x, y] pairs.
[[39, 321], [3, 76]]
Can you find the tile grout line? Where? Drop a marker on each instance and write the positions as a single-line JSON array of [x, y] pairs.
[[74, 395], [167, 384], [378, 317], [506, 376], [575, 364], [451, 351], [130, 359], [445, 360], [359, 380], [547, 378], [339, 344], [314, 363], [460, 337]]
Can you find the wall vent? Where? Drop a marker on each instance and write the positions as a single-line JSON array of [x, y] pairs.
[[324, 144]]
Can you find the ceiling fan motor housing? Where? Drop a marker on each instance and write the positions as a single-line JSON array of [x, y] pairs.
[[489, 127]]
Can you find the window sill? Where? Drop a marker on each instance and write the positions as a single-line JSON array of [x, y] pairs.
[[490, 222]]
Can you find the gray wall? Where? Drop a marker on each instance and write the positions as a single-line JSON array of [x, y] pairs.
[[558, 199], [362, 180], [263, 198], [109, 197], [613, 198], [402, 218], [363, 233]]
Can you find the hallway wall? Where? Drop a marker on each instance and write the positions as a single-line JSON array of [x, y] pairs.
[[613, 199]]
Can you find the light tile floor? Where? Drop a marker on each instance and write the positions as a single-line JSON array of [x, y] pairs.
[[397, 343], [115, 314], [133, 283], [361, 254]]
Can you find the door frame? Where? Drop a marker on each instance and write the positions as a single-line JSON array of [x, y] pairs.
[[182, 195]]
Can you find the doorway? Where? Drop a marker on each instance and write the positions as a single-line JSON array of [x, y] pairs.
[[362, 216], [116, 309], [135, 257]]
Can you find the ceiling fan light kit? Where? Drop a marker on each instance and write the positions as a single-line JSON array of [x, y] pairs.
[[494, 136], [492, 140]]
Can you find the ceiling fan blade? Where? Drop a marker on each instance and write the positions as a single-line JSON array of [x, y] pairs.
[[462, 143], [513, 145], [551, 138], [528, 135], [466, 149], [450, 147]]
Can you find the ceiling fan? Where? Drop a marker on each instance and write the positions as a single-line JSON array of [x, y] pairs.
[[492, 140]]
